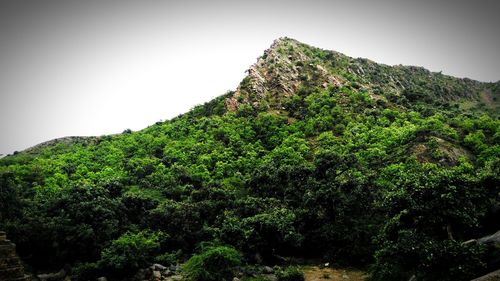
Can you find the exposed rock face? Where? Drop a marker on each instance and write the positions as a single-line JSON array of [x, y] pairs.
[[278, 74], [11, 268]]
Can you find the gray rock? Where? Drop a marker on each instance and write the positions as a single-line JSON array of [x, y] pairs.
[[493, 239], [267, 270], [236, 279], [102, 279], [52, 276], [159, 267], [156, 274]]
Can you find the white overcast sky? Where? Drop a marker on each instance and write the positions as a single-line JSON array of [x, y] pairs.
[[98, 67]]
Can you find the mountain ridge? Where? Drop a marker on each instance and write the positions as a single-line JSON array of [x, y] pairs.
[[277, 71], [275, 75]]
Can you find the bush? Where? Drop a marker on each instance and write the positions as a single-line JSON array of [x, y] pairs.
[[437, 260], [168, 258], [131, 251], [291, 273], [212, 264], [86, 271]]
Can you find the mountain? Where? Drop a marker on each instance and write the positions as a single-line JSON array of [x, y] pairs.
[[289, 66], [315, 156]]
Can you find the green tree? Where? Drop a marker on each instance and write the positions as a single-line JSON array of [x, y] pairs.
[[130, 252]]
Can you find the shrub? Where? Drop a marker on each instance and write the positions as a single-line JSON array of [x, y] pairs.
[[168, 258], [291, 273], [131, 251], [212, 264], [86, 271]]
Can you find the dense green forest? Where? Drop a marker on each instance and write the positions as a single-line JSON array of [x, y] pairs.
[[315, 156]]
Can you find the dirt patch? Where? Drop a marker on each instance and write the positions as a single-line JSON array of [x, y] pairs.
[[315, 273]]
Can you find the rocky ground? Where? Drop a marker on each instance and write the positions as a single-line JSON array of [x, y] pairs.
[[315, 273], [161, 273]]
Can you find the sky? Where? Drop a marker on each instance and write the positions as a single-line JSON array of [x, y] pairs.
[[95, 67]]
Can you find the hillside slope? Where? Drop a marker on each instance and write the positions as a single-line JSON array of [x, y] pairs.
[[314, 155]]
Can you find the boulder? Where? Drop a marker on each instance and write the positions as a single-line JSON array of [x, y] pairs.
[[159, 267], [492, 240], [52, 276], [267, 270]]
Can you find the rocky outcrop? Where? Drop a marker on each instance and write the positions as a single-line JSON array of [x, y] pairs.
[[278, 74], [11, 268]]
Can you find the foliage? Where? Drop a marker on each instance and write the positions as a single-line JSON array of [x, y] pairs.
[[131, 251], [290, 273], [213, 263], [427, 209], [347, 160], [168, 258]]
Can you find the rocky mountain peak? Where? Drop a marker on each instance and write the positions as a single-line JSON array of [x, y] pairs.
[[289, 65], [278, 74]]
